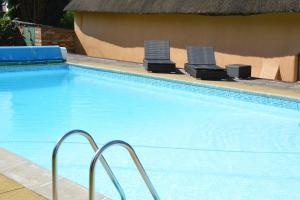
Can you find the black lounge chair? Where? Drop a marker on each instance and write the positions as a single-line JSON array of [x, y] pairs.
[[157, 56], [202, 64]]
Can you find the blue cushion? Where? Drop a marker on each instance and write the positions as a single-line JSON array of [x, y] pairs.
[[30, 53]]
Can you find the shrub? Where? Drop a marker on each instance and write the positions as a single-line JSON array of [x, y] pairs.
[[9, 33], [67, 21], [47, 12]]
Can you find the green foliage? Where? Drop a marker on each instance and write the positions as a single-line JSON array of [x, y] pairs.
[[5, 27], [47, 12], [4, 24], [67, 21], [55, 12], [12, 5], [1, 13], [9, 33]]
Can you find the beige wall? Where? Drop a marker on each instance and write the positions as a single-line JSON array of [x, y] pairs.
[[236, 39]]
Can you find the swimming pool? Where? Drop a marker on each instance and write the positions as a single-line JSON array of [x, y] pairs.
[[194, 142]]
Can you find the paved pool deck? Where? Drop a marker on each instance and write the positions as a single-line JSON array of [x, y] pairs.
[[291, 90], [11, 190]]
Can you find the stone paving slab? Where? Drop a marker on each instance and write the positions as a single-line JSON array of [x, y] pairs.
[[8, 185], [10, 190]]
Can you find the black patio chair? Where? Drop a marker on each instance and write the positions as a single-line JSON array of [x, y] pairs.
[[157, 56], [202, 64]]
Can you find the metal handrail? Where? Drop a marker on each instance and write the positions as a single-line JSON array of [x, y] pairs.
[[134, 157], [95, 148]]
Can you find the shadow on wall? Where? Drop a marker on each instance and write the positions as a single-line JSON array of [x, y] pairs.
[[78, 46], [272, 35]]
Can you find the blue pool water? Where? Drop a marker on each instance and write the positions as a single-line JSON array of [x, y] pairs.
[[195, 142]]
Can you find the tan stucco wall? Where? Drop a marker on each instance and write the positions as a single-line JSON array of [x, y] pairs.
[[236, 39]]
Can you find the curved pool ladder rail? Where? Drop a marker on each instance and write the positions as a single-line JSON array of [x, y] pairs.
[[95, 148], [134, 157]]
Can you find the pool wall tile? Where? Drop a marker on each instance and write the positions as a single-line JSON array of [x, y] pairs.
[[37, 67]]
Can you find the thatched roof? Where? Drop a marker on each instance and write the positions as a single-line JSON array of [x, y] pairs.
[[204, 7]]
